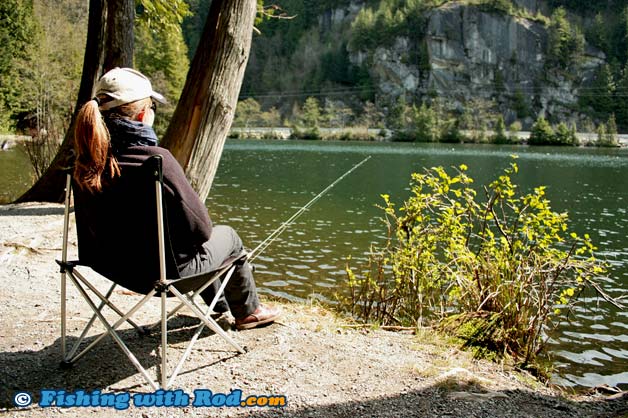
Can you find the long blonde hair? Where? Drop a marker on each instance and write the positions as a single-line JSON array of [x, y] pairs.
[[95, 162]]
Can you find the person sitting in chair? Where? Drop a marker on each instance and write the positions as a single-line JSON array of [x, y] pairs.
[[114, 131]]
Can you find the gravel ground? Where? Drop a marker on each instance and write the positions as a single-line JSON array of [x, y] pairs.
[[324, 366]]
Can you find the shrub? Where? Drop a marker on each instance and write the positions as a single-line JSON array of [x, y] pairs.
[[564, 135], [506, 265], [500, 137], [541, 133], [351, 134], [307, 133]]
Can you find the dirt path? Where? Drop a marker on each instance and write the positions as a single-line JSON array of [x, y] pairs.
[[320, 364]]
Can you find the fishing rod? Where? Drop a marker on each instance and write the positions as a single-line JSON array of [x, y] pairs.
[[264, 244]]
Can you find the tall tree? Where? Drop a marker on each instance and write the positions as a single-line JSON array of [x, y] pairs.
[[17, 32], [107, 19], [203, 117]]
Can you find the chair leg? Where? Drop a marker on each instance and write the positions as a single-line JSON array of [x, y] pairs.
[[208, 321], [105, 300], [111, 331], [87, 327], [63, 313], [205, 286], [164, 342], [124, 317]]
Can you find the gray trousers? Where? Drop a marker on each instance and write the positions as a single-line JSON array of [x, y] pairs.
[[240, 296]]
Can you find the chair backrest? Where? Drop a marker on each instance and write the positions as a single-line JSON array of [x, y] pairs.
[[117, 228]]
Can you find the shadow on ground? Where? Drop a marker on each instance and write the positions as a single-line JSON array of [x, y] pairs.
[[103, 366], [449, 399]]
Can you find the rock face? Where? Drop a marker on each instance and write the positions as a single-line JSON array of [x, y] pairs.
[[478, 54], [472, 53]]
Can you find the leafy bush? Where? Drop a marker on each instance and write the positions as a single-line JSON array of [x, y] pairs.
[[564, 135], [351, 134], [500, 137], [541, 133], [499, 272], [306, 133]]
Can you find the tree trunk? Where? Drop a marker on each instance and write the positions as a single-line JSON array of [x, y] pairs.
[[109, 43], [203, 117], [119, 43]]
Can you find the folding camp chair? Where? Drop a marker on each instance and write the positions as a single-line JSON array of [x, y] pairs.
[[150, 270]]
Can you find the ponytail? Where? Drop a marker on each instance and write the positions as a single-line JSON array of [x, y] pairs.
[[92, 146]]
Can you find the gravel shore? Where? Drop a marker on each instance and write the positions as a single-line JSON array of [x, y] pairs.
[[320, 364]]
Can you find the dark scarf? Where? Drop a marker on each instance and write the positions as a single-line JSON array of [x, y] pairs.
[[126, 133]]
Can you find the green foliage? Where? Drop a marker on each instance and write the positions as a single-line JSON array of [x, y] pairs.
[[371, 117], [621, 98], [335, 115], [500, 137], [564, 135], [164, 16], [520, 105], [193, 24], [162, 54], [607, 134], [249, 114], [391, 19], [566, 41], [501, 6], [477, 116], [311, 114], [17, 33], [351, 134], [597, 33], [506, 262], [541, 133], [47, 77], [425, 122], [599, 96], [307, 133]]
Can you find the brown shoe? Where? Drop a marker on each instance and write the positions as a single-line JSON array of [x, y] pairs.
[[262, 315]]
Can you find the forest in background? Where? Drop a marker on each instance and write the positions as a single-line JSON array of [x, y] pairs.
[[300, 73], [311, 57]]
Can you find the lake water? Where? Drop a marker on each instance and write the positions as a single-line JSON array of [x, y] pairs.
[[260, 184]]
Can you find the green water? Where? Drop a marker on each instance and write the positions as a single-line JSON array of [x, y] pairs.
[[15, 174], [260, 184]]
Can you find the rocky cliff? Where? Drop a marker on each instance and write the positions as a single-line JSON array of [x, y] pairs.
[[495, 52], [466, 52]]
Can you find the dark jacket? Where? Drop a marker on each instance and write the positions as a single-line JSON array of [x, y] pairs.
[[187, 217], [117, 228]]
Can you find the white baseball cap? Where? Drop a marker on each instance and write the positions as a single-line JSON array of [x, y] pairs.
[[125, 85]]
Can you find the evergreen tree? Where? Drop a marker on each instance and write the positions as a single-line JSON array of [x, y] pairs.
[[311, 113], [566, 43], [163, 55], [396, 118], [602, 136], [541, 132], [563, 135], [598, 33], [621, 98], [500, 137], [17, 34], [425, 124], [371, 117], [599, 95], [611, 132]]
